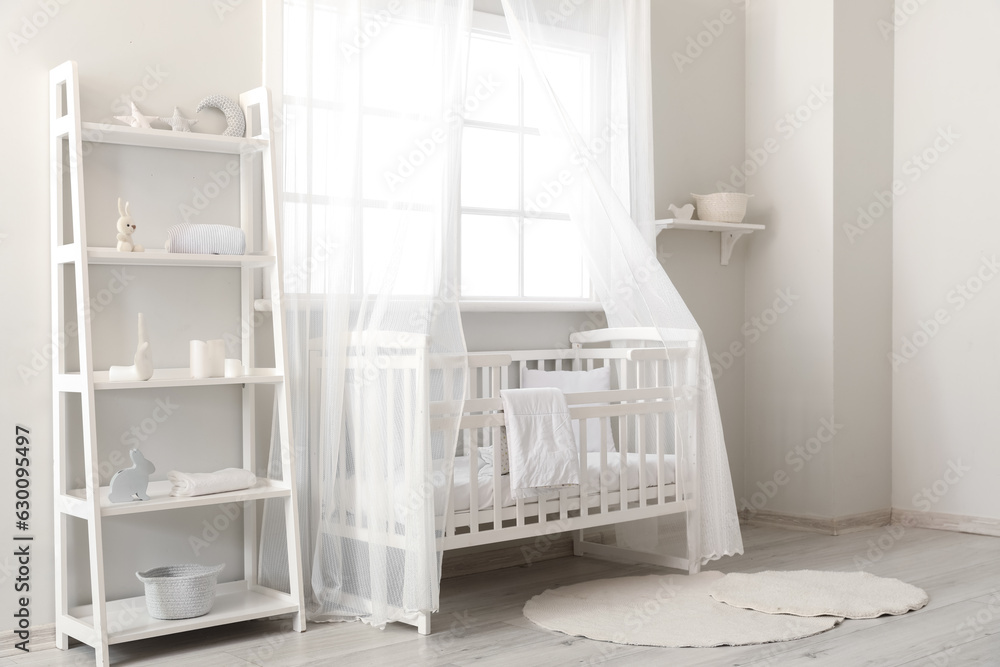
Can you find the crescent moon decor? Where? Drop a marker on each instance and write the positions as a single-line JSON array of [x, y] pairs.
[[237, 124]]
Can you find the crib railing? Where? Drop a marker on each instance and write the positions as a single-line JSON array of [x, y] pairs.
[[649, 409]]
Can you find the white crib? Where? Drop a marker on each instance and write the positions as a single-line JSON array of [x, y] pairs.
[[650, 409]]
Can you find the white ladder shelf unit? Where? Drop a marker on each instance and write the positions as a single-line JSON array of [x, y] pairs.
[[237, 600]]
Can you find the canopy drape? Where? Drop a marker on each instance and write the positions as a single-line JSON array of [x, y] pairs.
[[372, 168]]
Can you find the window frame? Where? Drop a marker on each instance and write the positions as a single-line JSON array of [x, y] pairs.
[[483, 23]]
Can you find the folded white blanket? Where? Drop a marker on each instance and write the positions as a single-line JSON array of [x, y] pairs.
[[543, 452], [206, 239], [204, 483]]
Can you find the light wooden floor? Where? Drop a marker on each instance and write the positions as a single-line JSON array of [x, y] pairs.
[[481, 621]]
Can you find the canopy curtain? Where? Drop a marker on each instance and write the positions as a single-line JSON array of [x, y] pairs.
[[372, 157], [370, 212], [610, 198]]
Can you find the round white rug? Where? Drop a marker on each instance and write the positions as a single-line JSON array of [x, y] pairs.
[[672, 611], [815, 593]]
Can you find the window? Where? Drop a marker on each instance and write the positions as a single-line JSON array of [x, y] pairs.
[[516, 237]]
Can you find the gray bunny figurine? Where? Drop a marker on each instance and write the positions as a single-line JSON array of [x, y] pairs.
[[130, 483]]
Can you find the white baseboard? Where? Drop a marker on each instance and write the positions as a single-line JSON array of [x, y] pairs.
[[823, 525], [958, 523]]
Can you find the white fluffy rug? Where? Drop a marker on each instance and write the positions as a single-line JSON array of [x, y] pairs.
[[673, 611], [814, 593]]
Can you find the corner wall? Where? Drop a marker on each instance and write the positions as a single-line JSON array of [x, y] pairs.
[[819, 116], [698, 116], [945, 263]]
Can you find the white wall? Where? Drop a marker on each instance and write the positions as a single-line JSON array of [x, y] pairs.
[[698, 115], [790, 366], [862, 289], [945, 391], [819, 115], [168, 53]]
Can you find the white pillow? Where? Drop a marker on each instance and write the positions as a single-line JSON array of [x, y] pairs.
[[572, 382]]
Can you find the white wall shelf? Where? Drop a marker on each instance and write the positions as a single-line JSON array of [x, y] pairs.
[[182, 141], [100, 623], [731, 231], [160, 499], [164, 378], [181, 377], [164, 258], [234, 601]]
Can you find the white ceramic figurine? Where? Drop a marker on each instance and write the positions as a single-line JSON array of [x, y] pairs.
[[142, 370], [125, 228], [131, 483]]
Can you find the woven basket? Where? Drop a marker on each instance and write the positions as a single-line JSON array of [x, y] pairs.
[[179, 591], [722, 206]]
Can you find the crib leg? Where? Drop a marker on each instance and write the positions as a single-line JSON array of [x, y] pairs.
[[577, 542], [424, 622]]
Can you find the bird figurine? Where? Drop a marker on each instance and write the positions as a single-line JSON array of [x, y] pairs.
[[683, 213]]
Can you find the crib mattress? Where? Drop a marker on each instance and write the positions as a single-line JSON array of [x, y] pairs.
[[462, 489]]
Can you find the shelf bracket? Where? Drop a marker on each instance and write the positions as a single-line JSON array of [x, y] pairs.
[[729, 240], [729, 231]]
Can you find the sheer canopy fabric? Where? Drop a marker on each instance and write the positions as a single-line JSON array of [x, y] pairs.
[[371, 196], [611, 202], [372, 164]]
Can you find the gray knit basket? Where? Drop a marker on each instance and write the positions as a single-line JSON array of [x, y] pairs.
[[180, 591]]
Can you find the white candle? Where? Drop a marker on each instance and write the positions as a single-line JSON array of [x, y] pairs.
[[217, 357], [200, 362], [234, 368]]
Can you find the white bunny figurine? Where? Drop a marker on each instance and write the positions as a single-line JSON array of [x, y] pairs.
[[125, 229], [131, 483]]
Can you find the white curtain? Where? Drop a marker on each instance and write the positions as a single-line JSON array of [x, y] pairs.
[[371, 194], [372, 153], [610, 196]]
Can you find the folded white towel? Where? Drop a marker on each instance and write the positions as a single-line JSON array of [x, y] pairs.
[[204, 483], [544, 455]]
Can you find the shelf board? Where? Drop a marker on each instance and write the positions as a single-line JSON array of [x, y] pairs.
[[160, 498], [181, 377], [234, 602], [164, 258], [731, 231], [707, 225], [185, 141]]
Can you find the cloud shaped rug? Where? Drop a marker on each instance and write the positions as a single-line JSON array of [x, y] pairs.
[[815, 593], [671, 611]]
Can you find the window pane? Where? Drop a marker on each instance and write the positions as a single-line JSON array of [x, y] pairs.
[[547, 177], [553, 265], [325, 54], [297, 147], [399, 252], [489, 169], [491, 89], [402, 68], [296, 50], [402, 159], [489, 256], [568, 73]]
